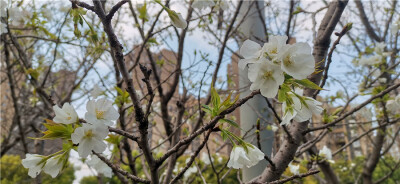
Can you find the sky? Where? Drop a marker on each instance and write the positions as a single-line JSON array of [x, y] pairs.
[[197, 40]]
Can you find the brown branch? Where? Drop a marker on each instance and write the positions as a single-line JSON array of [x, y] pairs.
[[382, 93], [364, 19], [82, 4], [116, 169], [192, 158], [115, 8], [295, 177], [123, 133], [207, 126]]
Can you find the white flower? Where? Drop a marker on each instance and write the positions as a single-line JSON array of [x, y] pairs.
[[204, 158], [219, 158], [382, 80], [255, 155], [33, 163], [97, 91], [100, 166], [251, 51], [266, 77], [306, 112], [66, 115], [89, 137], [294, 169], [274, 128], [101, 112], [3, 8], [393, 105], [177, 19], [370, 60], [190, 171], [296, 60], [380, 47], [53, 166], [176, 169], [298, 111], [288, 115], [275, 45], [325, 152], [15, 14], [239, 158], [203, 4], [47, 13]]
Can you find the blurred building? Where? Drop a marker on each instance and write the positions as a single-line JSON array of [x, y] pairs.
[[57, 84]]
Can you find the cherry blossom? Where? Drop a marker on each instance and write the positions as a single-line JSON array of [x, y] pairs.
[[266, 77], [34, 163], [296, 60], [100, 166], [90, 137], [239, 158], [177, 19], [53, 166], [294, 169], [66, 114], [325, 152], [101, 112]]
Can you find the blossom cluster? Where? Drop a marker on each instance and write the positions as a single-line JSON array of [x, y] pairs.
[[178, 21], [15, 15], [86, 134], [376, 58], [272, 65], [240, 157], [203, 4], [393, 105]]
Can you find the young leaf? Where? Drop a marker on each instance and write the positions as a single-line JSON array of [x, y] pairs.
[[282, 93], [307, 83], [230, 122], [215, 99], [56, 130]]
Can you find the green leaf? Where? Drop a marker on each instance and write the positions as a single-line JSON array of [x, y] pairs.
[[230, 122], [215, 99], [56, 130], [207, 109], [224, 135], [226, 101], [143, 12], [282, 93], [152, 41], [307, 83], [33, 72], [114, 139]]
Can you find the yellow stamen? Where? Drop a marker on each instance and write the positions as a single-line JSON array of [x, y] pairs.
[[89, 134], [268, 75], [287, 61], [100, 114], [274, 51]]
